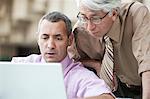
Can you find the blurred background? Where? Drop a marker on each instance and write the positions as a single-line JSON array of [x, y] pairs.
[[19, 19]]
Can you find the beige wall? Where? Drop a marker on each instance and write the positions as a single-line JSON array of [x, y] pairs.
[[19, 19], [25, 14], [147, 3]]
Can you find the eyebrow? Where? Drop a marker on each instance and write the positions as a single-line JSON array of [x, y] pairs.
[[44, 34], [58, 35]]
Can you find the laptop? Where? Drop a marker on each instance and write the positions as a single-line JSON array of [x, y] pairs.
[[31, 81]]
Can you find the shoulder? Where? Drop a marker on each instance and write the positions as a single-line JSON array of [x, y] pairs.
[[77, 69], [86, 82], [133, 7], [135, 3], [82, 73], [29, 59]]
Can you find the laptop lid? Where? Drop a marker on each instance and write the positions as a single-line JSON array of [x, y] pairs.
[[31, 81]]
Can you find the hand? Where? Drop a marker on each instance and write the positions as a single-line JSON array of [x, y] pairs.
[[103, 96]]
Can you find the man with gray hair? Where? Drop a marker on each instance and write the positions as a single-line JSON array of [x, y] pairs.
[[114, 39]]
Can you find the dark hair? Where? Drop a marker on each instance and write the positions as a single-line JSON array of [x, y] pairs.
[[56, 17]]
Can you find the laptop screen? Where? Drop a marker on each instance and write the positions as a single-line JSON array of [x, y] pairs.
[[31, 81]]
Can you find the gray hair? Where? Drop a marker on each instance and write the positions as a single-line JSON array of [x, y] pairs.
[[56, 17], [105, 5]]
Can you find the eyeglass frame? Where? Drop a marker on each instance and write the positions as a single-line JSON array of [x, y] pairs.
[[90, 19]]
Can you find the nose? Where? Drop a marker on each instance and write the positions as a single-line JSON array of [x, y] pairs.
[[90, 26], [51, 44]]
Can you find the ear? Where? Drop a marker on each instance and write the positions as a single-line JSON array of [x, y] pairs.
[[37, 38], [70, 40], [114, 14]]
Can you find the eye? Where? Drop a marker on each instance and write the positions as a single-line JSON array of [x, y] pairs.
[[95, 19], [59, 38], [44, 37]]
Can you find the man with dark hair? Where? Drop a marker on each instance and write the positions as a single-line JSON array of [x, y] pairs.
[[54, 37]]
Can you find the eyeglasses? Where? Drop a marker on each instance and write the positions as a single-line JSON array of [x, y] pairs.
[[95, 19]]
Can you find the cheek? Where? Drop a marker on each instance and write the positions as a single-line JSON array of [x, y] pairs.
[[105, 27], [42, 45], [100, 28], [63, 47], [108, 24]]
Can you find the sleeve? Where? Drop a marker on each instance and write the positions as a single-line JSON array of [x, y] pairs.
[[18, 60], [86, 46], [91, 85], [29, 59], [141, 37]]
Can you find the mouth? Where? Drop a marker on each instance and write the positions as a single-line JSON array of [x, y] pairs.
[[93, 33], [50, 54]]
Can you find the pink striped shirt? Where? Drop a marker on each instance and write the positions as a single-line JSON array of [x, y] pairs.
[[79, 81]]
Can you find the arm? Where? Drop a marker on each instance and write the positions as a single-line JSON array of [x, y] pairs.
[[146, 84], [103, 96], [141, 46], [73, 53], [86, 50]]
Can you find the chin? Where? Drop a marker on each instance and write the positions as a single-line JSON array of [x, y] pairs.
[[51, 60]]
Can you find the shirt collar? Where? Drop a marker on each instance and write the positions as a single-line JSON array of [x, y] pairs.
[[43, 60], [65, 62], [114, 32]]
